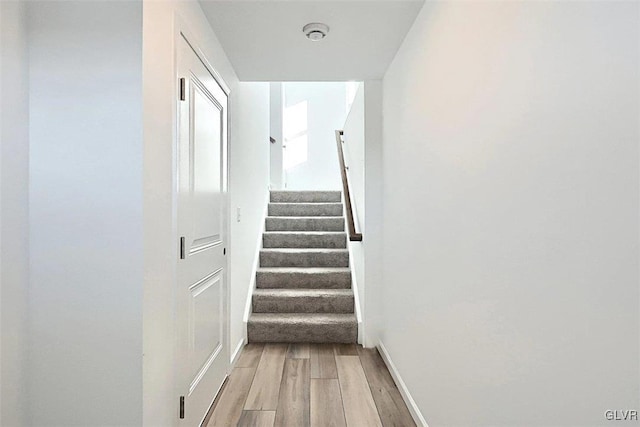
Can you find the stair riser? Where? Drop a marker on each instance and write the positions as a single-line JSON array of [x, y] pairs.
[[313, 259], [305, 196], [292, 332], [305, 224], [331, 241], [305, 209], [333, 280], [307, 304]]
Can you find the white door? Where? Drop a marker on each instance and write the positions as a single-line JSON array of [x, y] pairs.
[[203, 349]]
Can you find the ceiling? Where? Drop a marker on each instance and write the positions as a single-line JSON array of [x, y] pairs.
[[264, 39]]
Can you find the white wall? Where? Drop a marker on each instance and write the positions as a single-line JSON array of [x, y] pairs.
[[247, 104], [88, 194], [354, 159], [354, 154], [85, 213], [511, 187], [373, 241], [275, 122], [14, 212], [326, 103], [363, 156], [249, 188]]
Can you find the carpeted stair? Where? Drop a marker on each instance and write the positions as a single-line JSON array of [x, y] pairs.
[[303, 285]]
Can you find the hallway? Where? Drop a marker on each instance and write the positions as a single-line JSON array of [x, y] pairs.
[[482, 231], [309, 384]]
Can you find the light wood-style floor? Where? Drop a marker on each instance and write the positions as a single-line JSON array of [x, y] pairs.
[[298, 385]]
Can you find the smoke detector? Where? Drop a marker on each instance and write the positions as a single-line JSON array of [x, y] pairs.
[[315, 31]]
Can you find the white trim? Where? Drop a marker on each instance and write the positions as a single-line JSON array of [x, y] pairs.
[[354, 281], [236, 354], [404, 391], [356, 296], [184, 32], [254, 271], [191, 41]]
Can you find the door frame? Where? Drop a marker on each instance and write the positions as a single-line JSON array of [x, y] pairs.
[[181, 31]]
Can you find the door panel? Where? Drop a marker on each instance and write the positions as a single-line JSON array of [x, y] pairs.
[[205, 328], [207, 180], [201, 295]]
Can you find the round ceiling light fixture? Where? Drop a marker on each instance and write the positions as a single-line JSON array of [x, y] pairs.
[[315, 31]]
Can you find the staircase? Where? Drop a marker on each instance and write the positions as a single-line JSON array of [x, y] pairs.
[[303, 285]]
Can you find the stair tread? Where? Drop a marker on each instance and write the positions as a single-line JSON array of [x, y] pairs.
[[303, 317], [305, 191], [306, 233], [303, 278], [309, 270], [298, 301], [287, 292], [307, 217], [305, 223], [306, 203], [288, 196], [305, 250]]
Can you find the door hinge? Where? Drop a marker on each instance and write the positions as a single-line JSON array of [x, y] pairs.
[[182, 249], [183, 89], [181, 407], [224, 251]]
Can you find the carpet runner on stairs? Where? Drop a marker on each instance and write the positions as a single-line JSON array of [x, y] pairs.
[[303, 285]]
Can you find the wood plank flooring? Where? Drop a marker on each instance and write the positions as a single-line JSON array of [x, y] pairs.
[[265, 389], [317, 385]]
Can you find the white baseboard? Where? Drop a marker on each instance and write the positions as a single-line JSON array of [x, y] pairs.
[[404, 391], [236, 354], [356, 295], [256, 265]]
